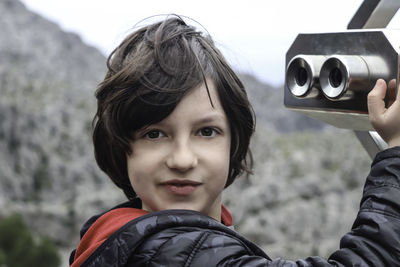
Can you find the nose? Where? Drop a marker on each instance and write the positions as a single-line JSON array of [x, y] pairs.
[[181, 157]]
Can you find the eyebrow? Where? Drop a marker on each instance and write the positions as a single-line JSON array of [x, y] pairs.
[[211, 117]]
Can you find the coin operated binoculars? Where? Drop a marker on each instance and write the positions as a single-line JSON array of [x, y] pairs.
[[329, 75]]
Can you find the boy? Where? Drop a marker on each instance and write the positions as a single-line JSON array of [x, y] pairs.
[[172, 130]]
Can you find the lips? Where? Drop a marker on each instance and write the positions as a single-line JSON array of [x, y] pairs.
[[181, 187]]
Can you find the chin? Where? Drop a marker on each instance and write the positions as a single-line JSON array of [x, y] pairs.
[[183, 206]]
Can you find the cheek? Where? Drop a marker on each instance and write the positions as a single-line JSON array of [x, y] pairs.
[[223, 161], [137, 167], [130, 163], [219, 161], [141, 159]]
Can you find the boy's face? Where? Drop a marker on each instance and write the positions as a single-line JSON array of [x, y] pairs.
[[182, 162]]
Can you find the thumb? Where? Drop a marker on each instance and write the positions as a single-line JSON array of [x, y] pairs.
[[376, 101]]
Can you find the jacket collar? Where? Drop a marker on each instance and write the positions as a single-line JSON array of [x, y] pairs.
[[99, 228]]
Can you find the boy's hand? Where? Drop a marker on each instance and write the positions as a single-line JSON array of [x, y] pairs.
[[386, 121]]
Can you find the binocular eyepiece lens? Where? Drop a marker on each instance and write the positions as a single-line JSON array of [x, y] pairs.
[[335, 77], [301, 76]]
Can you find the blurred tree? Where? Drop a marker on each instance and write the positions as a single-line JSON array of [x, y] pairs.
[[18, 247]]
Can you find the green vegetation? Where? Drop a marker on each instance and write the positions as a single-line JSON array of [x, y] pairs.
[[41, 178], [19, 248]]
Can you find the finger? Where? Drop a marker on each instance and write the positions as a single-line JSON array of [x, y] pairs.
[[394, 109], [376, 103], [393, 83], [376, 96], [391, 92]]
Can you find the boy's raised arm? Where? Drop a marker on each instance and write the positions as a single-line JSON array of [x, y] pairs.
[[386, 121]]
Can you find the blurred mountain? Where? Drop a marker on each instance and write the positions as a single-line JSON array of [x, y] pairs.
[[47, 82], [306, 185], [269, 109]]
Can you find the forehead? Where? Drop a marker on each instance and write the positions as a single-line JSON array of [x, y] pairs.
[[205, 96], [202, 102]]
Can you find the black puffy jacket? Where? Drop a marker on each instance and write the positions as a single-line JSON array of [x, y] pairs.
[[189, 238]]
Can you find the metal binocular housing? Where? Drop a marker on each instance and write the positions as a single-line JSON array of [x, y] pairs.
[[329, 75]]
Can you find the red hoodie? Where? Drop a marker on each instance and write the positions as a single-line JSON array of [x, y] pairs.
[[110, 222]]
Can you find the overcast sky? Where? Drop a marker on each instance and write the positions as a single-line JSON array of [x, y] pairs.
[[254, 35]]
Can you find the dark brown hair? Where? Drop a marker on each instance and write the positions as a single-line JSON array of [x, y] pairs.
[[148, 74]]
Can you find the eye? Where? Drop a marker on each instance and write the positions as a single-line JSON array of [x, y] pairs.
[[154, 134], [208, 132]]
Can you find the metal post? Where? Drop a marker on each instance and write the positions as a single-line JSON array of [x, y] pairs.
[[373, 14]]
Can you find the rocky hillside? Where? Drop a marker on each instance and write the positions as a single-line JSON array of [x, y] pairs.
[[306, 185], [47, 82], [270, 113]]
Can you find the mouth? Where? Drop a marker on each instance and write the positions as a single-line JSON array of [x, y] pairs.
[[181, 187]]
